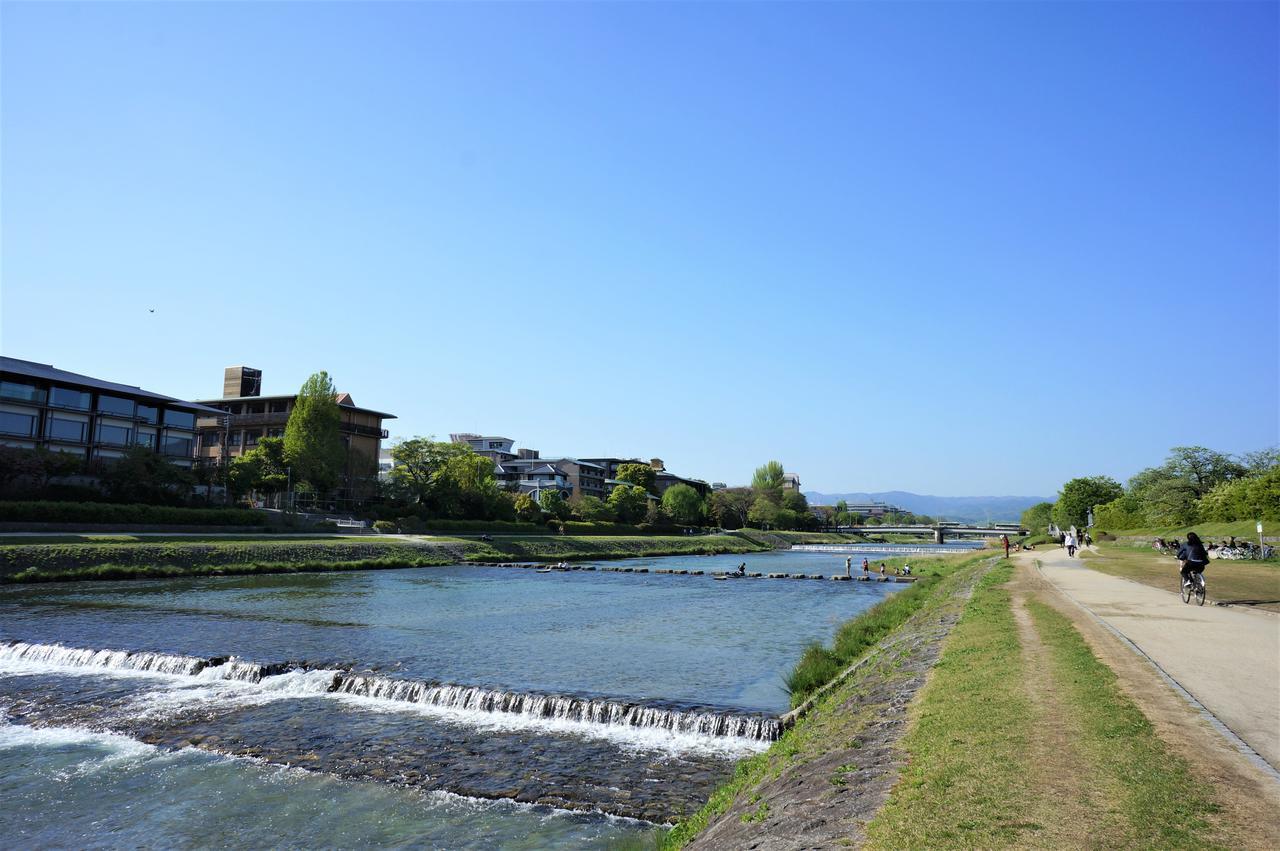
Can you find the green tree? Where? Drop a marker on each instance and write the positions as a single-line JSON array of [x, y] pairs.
[[527, 508], [593, 509], [683, 504], [1120, 514], [552, 503], [141, 475], [767, 481], [629, 503], [641, 475], [1080, 495], [764, 513], [312, 440], [1037, 518], [729, 507], [1251, 498], [842, 507]]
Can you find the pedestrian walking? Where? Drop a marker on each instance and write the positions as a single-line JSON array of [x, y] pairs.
[[1071, 545], [1005, 540]]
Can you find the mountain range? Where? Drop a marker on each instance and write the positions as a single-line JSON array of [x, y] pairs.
[[973, 509]]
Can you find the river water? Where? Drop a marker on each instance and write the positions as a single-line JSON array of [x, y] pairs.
[[440, 707]]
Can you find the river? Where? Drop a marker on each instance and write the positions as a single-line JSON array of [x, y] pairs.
[[441, 707]]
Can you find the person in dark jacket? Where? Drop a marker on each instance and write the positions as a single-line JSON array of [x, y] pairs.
[[1193, 556]]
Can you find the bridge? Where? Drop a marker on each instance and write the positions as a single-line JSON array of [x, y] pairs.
[[940, 531]]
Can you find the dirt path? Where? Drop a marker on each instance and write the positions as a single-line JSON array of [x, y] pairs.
[[1226, 658]]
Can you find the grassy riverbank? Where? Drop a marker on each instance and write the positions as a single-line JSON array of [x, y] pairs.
[[119, 559]]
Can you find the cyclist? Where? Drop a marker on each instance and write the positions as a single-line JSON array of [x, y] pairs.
[[1194, 559]]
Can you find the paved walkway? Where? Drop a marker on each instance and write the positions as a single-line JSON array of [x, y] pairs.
[[1227, 658]]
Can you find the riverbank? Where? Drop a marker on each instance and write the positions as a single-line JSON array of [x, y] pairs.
[[1028, 725], [60, 562]]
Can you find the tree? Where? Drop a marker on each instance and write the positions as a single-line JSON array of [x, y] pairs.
[[656, 515], [1202, 469], [260, 470], [842, 507], [1038, 517], [767, 481], [764, 513], [629, 503], [683, 504], [729, 507], [593, 509], [35, 467], [1252, 498], [552, 503], [641, 475], [1080, 495], [312, 440], [527, 508], [1262, 461], [141, 475]]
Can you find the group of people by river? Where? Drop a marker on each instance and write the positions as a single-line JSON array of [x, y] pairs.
[[905, 570]]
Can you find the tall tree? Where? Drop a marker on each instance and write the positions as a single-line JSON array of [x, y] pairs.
[[1080, 495], [312, 441], [767, 481], [629, 503], [729, 507], [1038, 517], [683, 504], [640, 475]]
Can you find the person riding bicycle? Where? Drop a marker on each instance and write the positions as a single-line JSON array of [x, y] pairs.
[[1194, 558]]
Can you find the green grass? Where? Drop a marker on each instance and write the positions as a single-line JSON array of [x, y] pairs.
[[1243, 529], [1255, 582], [194, 538], [829, 725], [964, 784], [1155, 800], [819, 664]]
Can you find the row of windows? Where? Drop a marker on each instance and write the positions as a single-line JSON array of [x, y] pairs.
[[79, 400], [77, 431], [249, 438]]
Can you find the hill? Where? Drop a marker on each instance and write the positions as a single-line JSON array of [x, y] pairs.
[[976, 509]]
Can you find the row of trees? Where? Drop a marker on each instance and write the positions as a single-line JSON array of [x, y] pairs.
[[1193, 485]]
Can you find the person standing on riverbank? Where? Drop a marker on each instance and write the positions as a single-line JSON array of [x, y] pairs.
[[866, 568], [1004, 539]]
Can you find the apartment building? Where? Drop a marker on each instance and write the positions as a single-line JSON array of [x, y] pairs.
[[243, 416], [496, 449], [43, 406]]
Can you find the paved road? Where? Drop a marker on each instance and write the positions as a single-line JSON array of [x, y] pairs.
[[1227, 658]]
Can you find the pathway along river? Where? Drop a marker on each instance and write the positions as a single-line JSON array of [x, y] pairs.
[[448, 707]]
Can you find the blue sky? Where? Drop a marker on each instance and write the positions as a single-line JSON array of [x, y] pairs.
[[956, 249]]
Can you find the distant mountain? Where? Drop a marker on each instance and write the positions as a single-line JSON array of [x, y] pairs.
[[974, 509]]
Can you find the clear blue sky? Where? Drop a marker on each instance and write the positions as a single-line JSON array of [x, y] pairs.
[[969, 248]]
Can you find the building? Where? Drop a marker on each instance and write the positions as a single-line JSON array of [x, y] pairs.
[[243, 416], [42, 406], [791, 482], [496, 449], [663, 478], [873, 509]]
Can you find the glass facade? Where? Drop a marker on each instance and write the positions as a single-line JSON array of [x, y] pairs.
[[146, 437], [21, 392], [179, 419], [148, 414], [61, 397], [115, 405], [74, 431], [23, 425], [114, 435], [178, 446]]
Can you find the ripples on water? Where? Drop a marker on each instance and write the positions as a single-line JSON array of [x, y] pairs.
[[667, 679]]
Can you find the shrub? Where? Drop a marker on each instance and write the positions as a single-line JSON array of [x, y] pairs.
[[412, 525], [107, 512], [386, 527]]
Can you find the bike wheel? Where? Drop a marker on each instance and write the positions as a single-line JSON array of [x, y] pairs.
[[1186, 592], [1200, 593]]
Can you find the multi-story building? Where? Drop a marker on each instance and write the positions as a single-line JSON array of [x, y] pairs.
[[791, 482], [243, 416], [42, 406], [662, 480], [496, 449]]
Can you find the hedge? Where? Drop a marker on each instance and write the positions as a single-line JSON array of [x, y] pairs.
[[108, 512]]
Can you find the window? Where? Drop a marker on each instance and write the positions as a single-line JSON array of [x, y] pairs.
[[210, 438], [61, 397], [275, 432], [21, 392], [146, 437], [179, 419], [74, 431], [278, 407], [115, 405], [235, 439], [19, 424], [114, 435], [174, 445], [148, 414], [251, 437]]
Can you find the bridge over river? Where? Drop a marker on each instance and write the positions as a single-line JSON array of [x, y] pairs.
[[940, 531]]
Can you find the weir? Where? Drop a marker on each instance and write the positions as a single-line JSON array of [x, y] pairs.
[[296, 679]]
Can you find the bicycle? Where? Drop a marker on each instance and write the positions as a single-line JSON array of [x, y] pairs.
[[1193, 587]]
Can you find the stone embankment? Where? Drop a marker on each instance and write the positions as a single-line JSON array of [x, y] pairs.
[[835, 768]]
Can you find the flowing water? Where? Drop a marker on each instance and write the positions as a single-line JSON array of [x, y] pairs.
[[440, 707]]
